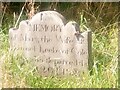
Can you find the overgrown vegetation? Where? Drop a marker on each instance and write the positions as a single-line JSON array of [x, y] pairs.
[[18, 72]]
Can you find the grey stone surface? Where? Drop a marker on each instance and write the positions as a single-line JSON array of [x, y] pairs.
[[55, 47]]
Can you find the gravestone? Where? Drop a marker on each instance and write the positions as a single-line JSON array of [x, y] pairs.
[[54, 46]]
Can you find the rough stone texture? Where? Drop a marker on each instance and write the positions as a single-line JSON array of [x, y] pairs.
[[55, 47]]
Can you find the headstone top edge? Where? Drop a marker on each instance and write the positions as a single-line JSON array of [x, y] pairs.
[[52, 13], [13, 28]]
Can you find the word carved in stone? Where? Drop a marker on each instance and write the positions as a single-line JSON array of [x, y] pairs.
[[55, 47]]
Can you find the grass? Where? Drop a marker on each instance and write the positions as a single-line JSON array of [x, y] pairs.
[[18, 71]]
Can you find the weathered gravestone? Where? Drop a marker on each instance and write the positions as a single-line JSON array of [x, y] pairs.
[[55, 47]]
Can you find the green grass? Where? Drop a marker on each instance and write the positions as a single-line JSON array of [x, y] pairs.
[[18, 72]]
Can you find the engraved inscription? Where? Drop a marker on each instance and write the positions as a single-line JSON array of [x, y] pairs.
[[41, 16], [55, 48]]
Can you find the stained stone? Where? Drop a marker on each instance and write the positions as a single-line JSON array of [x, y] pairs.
[[54, 46]]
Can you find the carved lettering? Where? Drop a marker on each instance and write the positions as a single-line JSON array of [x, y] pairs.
[[53, 45]]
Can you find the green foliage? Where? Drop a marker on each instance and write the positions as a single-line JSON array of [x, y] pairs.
[[19, 72]]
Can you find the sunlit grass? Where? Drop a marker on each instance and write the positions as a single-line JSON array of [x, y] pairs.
[[18, 72]]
